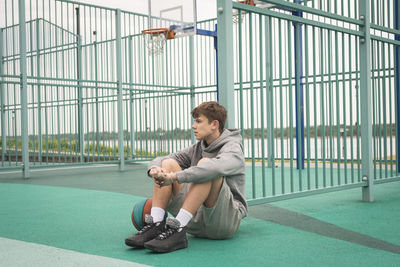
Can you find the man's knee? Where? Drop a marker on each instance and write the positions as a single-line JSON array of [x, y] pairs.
[[170, 165], [214, 189]]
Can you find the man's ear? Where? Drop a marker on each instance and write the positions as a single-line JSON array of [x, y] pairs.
[[216, 124]]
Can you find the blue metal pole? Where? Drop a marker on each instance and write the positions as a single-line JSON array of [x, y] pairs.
[[397, 75], [216, 72], [215, 36], [216, 58], [299, 90]]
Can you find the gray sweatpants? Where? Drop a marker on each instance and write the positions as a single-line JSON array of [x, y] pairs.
[[219, 222]]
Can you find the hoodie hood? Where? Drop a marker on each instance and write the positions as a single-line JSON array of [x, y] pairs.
[[228, 135]]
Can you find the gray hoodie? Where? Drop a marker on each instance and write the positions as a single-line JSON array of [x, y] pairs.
[[226, 160]]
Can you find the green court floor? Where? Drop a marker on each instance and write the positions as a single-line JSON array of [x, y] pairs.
[[81, 216]]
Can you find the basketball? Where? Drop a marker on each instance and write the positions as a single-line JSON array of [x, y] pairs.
[[139, 211]]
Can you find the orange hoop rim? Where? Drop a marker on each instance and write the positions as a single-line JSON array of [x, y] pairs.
[[155, 31], [247, 2]]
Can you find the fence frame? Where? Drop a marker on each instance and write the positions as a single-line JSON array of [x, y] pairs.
[[130, 93], [365, 82]]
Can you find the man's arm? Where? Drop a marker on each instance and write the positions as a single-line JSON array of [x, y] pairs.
[[229, 161], [183, 157]]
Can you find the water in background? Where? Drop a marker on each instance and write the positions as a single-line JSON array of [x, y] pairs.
[[349, 147]]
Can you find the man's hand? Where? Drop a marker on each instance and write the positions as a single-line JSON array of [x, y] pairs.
[[157, 172], [162, 177], [166, 179]]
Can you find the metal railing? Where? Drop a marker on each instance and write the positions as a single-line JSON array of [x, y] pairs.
[[302, 67], [91, 88]]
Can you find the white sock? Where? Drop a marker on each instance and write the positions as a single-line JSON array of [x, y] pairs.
[[184, 217], [157, 214]]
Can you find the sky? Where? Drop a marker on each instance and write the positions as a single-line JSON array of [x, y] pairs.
[[206, 9]]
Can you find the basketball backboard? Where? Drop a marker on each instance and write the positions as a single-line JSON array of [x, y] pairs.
[[177, 15], [256, 3]]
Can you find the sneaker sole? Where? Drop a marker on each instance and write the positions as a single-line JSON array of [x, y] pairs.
[[161, 250], [133, 244]]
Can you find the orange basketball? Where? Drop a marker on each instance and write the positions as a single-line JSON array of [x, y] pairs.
[[139, 212]]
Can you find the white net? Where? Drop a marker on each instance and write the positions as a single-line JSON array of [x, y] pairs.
[[155, 42], [235, 17]]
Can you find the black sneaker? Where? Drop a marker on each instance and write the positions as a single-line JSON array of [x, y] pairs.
[[149, 232], [172, 239]]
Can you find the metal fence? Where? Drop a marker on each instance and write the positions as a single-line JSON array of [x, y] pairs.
[[328, 92], [81, 85]]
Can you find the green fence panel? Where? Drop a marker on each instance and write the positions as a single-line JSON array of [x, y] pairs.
[[96, 95]]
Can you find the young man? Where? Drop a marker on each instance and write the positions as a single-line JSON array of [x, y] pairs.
[[203, 186]]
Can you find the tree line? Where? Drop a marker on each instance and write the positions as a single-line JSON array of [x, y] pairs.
[[177, 133]]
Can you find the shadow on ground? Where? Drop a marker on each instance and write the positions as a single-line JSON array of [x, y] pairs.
[[306, 223]]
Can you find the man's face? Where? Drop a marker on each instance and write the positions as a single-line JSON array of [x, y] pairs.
[[203, 129]]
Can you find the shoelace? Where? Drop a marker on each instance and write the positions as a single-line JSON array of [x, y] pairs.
[[167, 233], [144, 229]]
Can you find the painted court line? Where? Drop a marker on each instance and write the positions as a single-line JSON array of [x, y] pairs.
[[19, 253], [64, 168]]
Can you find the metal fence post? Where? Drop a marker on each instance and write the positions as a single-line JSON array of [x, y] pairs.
[[131, 108], [269, 91], [298, 54], [192, 96], [80, 101], [366, 104], [24, 89], [119, 85], [225, 59], [39, 98], [96, 77], [396, 14], [2, 102], [78, 78]]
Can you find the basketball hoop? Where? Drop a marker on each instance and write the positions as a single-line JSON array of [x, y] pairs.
[[235, 17], [155, 39], [247, 2]]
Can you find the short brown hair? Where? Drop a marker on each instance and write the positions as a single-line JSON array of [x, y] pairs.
[[212, 111]]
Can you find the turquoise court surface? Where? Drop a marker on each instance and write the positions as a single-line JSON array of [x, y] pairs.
[[82, 215], [89, 94]]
